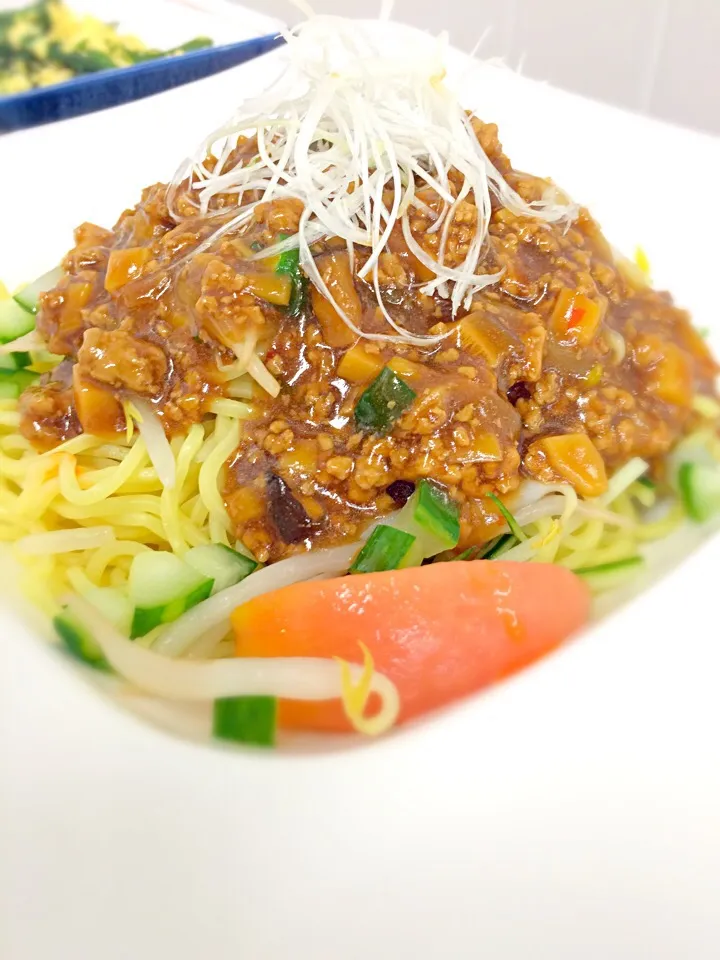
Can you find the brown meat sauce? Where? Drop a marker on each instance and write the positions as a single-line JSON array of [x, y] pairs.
[[143, 312]]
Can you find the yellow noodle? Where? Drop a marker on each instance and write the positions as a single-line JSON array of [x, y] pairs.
[[209, 480], [72, 491]]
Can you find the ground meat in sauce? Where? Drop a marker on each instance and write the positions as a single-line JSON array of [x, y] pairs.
[[140, 313]]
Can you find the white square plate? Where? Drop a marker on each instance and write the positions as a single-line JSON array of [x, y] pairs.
[[572, 812]]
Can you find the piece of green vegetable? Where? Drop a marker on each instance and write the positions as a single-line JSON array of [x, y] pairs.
[[383, 402], [28, 298], [289, 264], [433, 518], [699, 486], [604, 576], [79, 641], [14, 382], [251, 720], [15, 321], [509, 518], [162, 587], [219, 563], [385, 550]]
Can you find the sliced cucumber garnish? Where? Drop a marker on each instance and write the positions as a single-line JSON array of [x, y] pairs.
[[386, 549], [12, 383], [161, 588], [14, 321], [251, 720], [28, 298], [79, 641], [221, 564], [114, 605], [699, 486], [433, 518], [10, 362]]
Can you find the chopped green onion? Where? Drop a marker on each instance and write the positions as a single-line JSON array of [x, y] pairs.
[[385, 549], [383, 402], [251, 720], [289, 263], [509, 518]]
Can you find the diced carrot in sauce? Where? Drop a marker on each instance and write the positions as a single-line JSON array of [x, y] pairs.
[[359, 366], [576, 459], [98, 411], [576, 318], [439, 632], [125, 265], [274, 287]]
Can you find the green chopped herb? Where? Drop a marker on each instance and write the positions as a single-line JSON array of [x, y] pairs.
[[509, 518], [383, 402], [289, 264], [385, 549]]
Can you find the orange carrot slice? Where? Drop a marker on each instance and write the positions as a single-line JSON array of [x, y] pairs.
[[439, 632]]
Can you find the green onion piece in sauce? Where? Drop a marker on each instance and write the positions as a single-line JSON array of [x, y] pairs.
[[385, 549], [289, 264], [251, 720], [383, 402], [509, 518]]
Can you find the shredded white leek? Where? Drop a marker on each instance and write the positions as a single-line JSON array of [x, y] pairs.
[[354, 135]]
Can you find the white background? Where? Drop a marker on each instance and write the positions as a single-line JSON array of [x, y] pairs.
[[656, 56]]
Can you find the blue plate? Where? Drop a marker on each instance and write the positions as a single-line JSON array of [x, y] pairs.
[[108, 88]]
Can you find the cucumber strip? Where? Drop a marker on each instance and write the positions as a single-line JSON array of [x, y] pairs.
[[10, 362], [14, 321], [220, 563], [385, 549], [647, 482], [13, 382], [9, 390], [509, 518], [495, 548], [433, 518], [28, 297], [251, 720], [437, 513], [114, 605], [604, 576], [699, 486], [161, 587], [79, 641]]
